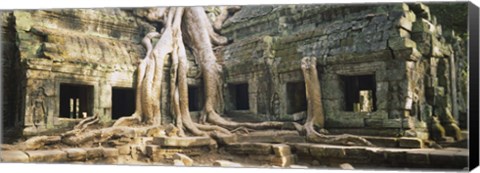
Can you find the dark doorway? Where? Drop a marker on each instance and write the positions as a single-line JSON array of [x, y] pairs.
[[239, 96], [195, 98], [297, 98], [76, 101], [360, 93], [123, 102]]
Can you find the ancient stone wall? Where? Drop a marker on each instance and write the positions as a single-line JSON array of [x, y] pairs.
[[382, 42], [397, 50], [92, 48]]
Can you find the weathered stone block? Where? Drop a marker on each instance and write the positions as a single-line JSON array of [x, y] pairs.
[[182, 141], [358, 153], [346, 166], [51, 156], [406, 142], [399, 43], [226, 163], [373, 122], [154, 152], [76, 154], [417, 158], [178, 163], [405, 23], [14, 156], [302, 148], [383, 141], [440, 159], [227, 139], [322, 151], [94, 153], [124, 150], [281, 150], [256, 148], [143, 140], [345, 119], [283, 161], [395, 157], [110, 152], [187, 161]]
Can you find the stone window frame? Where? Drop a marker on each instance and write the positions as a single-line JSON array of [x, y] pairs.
[[353, 70], [201, 95], [229, 85], [285, 97], [74, 81], [111, 98], [374, 95]]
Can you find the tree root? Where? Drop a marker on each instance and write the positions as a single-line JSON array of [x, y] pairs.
[[315, 110]]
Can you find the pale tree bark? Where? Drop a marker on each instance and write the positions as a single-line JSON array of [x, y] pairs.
[[198, 28], [315, 115]]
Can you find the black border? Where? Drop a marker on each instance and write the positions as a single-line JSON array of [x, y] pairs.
[[473, 24]]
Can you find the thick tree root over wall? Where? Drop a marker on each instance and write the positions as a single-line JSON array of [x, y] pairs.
[[190, 27]]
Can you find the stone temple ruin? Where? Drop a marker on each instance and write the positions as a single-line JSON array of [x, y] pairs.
[[388, 72]]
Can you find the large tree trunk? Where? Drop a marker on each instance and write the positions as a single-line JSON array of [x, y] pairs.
[[315, 114], [198, 36]]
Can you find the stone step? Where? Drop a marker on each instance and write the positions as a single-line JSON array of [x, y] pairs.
[[270, 136], [47, 156], [14, 156], [275, 154], [60, 155], [182, 141], [157, 153], [386, 157], [288, 136]]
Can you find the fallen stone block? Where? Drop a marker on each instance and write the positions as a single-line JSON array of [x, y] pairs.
[[110, 152], [187, 161], [178, 163], [50, 156], [14, 156], [346, 166], [182, 141], [226, 163], [76, 154]]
